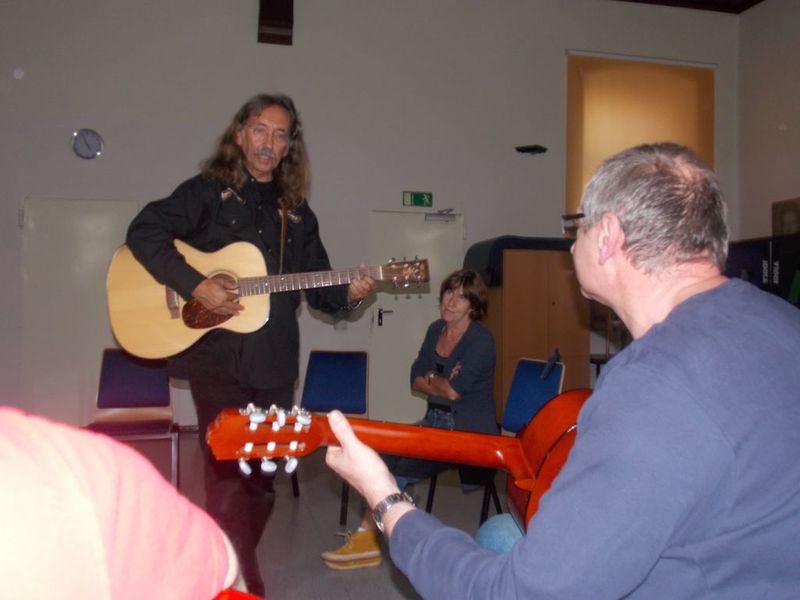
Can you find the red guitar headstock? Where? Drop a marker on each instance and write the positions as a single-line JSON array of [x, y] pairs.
[[254, 433], [403, 273]]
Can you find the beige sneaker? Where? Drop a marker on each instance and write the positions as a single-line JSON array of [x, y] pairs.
[[358, 546]]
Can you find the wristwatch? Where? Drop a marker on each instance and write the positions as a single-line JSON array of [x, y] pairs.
[[383, 506]]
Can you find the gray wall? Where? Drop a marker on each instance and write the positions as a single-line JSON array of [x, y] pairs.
[[419, 94]]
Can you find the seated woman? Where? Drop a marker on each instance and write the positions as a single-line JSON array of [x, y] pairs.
[[455, 369]]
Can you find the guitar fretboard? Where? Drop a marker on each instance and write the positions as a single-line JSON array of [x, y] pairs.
[[253, 286]]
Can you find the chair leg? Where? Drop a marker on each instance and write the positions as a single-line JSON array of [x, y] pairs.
[[485, 504], [431, 492], [345, 500], [175, 442], [498, 509], [489, 493], [295, 485]]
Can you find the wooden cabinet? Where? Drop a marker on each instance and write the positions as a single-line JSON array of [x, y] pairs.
[[538, 308]]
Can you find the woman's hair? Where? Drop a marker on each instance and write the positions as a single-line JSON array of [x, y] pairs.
[[293, 174], [474, 290], [668, 202]]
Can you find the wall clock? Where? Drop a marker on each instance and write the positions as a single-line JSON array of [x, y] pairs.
[[87, 143]]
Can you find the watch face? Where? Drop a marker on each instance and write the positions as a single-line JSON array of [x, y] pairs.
[[87, 143]]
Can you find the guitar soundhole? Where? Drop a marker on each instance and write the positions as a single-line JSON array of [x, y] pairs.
[[196, 316]]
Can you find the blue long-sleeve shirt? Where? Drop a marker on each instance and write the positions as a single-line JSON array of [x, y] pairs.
[[682, 483]]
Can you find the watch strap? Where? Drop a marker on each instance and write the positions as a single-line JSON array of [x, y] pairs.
[[383, 506]]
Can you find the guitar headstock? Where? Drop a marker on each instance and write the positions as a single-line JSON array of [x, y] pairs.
[[403, 273], [267, 435]]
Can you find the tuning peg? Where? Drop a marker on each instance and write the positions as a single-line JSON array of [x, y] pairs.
[[304, 417], [245, 467], [271, 446], [291, 465], [248, 447], [256, 418], [268, 466]]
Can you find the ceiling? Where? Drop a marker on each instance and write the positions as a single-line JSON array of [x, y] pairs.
[[727, 6]]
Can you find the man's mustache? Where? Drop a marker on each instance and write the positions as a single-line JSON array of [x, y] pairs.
[[267, 153]]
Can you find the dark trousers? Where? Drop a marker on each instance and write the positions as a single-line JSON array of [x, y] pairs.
[[408, 470], [240, 505]]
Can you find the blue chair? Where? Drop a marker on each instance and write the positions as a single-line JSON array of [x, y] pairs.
[[335, 380], [534, 383], [133, 403]]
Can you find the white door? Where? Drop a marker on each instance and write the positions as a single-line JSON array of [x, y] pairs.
[[66, 247], [399, 318]]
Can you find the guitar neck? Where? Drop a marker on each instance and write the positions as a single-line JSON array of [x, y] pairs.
[[290, 282], [462, 447]]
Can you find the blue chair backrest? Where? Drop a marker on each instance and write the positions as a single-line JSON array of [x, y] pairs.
[[529, 392], [130, 382], [336, 379]]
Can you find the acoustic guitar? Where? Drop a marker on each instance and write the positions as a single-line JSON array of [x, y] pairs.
[[151, 320], [533, 458]]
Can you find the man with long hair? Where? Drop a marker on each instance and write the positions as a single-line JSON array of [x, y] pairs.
[[252, 189]]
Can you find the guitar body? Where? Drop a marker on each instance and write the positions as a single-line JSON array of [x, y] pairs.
[[546, 442], [231, 594], [147, 322]]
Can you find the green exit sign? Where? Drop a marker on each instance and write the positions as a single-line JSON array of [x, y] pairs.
[[418, 199]]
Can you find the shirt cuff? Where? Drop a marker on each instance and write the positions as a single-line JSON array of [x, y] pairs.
[[353, 305]]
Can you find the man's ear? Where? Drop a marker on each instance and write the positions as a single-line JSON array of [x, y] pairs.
[[610, 238]]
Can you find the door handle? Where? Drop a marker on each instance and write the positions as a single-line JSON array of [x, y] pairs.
[[382, 312]]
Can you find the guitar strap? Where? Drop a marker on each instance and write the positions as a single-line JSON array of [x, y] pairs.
[[284, 219]]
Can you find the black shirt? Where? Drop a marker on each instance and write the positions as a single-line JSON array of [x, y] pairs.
[[209, 215]]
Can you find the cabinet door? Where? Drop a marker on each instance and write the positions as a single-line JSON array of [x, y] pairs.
[[544, 310]]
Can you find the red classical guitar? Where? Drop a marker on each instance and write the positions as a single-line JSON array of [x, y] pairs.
[[533, 458]]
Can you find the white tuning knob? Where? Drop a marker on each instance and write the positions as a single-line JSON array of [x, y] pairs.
[[271, 446], [291, 464], [245, 467], [304, 418], [256, 419], [281, 417], [268, 466], [293, 446], [248, 447]]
